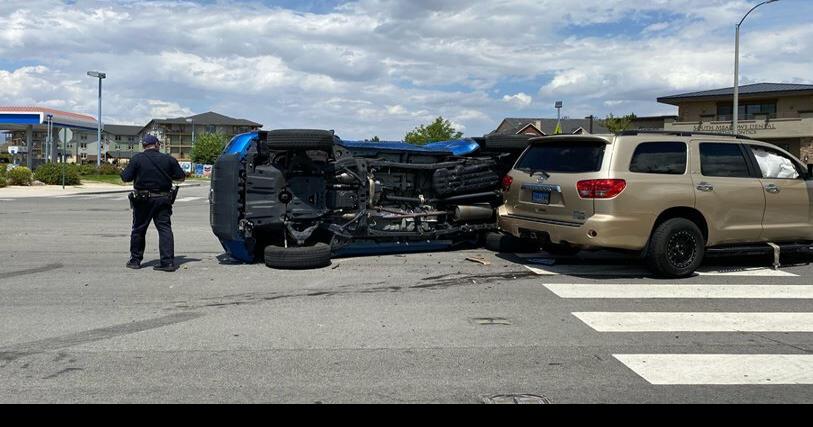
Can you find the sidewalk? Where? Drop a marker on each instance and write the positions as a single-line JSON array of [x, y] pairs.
[[15, 192]]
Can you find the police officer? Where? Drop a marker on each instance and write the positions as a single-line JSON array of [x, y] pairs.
[[152, 173]]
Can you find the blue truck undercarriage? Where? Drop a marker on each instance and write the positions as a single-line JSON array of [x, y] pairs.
[[297, 197]]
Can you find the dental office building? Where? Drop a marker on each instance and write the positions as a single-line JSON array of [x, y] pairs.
[[779, 113]]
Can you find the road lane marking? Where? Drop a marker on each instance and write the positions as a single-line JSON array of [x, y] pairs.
[[635, 271], [188, 199], [696, 322], [638, 291], [721, 369]]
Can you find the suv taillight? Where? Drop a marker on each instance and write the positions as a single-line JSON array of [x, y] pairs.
[[506, 182], [600, 188]]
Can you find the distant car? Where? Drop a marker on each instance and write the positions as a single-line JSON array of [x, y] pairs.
[[671, 197], [296, 197]]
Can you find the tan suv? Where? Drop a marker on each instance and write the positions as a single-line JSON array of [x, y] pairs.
[[669, 196]]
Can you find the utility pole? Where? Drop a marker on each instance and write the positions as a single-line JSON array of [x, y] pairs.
[[736, 108], [100, 76]]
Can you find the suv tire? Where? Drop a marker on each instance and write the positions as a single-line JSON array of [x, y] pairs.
[[298, 258], [676, 248], [300, 139], [501, 242]]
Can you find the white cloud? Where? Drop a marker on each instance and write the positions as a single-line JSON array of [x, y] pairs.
[[381, 67], [519, 100]]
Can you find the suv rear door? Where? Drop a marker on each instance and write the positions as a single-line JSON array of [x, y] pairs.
[[728, 192], [787, 195], [545, 177]]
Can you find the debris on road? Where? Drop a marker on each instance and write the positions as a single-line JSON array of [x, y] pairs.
[[478, 260]]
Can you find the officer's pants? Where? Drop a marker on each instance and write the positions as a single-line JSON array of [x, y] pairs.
[[159, 211]]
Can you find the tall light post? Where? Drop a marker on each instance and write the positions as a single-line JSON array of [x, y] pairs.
[[736, 108], [100, 76], [49, 138], [192, 121]]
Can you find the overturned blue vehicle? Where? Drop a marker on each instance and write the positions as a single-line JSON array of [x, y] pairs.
[[296, 198]]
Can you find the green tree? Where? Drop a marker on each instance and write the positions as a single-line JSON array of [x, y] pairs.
[[208, 147], [618, 124], [439, 130]]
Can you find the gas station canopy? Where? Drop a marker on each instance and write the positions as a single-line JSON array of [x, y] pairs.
[[18, 118]]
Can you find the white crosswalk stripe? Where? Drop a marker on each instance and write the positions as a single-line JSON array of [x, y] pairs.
[[701, 369], [697, 322], [639, 271], [661, 291], [721, 369]]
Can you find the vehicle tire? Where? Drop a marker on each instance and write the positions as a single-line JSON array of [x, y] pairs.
[[298, 258], [300, 139], [501, 242], [676, 248], [502, 142], [561, 250]]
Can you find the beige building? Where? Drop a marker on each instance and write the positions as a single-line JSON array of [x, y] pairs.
[[779, 113], [176, 134]]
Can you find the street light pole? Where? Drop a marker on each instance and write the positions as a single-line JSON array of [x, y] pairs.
[[192, 121], [100, 76], [49, 138], [736, 108]]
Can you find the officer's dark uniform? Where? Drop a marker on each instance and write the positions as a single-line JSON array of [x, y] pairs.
[[148, 179]]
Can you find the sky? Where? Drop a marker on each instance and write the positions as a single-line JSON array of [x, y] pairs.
[[382, 67]]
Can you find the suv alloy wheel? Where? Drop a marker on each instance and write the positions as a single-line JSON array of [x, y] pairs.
[[676, 248]]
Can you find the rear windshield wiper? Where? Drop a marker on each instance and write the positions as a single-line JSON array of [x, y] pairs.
[[533, 172]]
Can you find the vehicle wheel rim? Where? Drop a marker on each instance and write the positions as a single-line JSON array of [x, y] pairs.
[[681, 249]]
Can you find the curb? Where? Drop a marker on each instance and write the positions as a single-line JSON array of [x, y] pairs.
[[128, 190], [91, 193]]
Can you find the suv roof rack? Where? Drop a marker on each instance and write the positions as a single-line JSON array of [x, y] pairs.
[[680, 133]]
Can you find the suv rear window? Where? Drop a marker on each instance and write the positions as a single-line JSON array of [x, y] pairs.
[[659, 157], [725, 160], [567, 157]]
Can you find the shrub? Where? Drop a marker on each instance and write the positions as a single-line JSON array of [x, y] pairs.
[[51, 173], [3, 167], [86, 169], [108, 169], [2, 181], [20, 175]]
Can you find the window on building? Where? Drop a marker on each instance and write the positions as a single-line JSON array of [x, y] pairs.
[[211, 129], [659, 157], [83, 145], [118, 137], [130, 138], [746, 111], [83, 137], [723, 160]]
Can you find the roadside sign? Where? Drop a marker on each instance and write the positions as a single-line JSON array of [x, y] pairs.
[[207, 170], [186, 166], [13, 149], [199, 170]]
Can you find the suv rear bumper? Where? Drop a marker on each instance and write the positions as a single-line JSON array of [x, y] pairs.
[[611, 231]]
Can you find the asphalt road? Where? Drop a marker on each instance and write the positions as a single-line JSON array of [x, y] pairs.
[[77, 326]]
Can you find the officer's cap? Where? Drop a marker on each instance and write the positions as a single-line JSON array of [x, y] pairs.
[[149, 140]]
